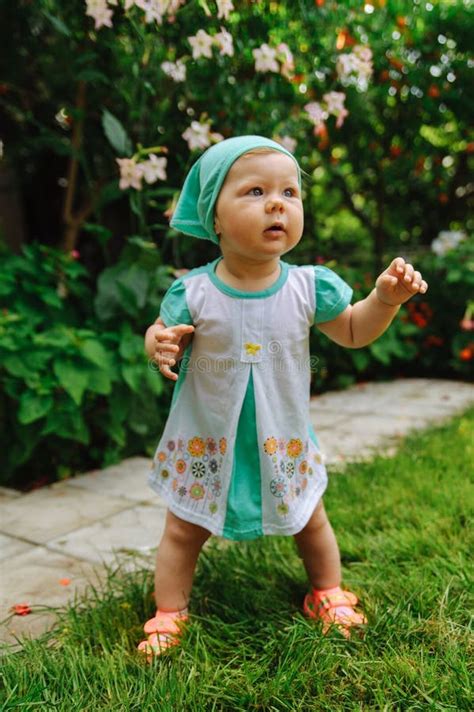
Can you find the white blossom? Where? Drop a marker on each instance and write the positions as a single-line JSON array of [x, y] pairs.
[[317, 113], [286, 57], [154, 169], [201, 43], [175, 70], [357, 64], [447, 240], [154, 11], [335, 105], [225, 42], [198, 135], [224, 8], [101, 14], [265, 59], [130, 174]]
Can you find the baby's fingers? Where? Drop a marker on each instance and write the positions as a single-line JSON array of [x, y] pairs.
[[397, 266], [419, 284], [166, 371], [166, 347]]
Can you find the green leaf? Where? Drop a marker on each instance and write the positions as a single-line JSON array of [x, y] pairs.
[[131, 347], [72, 378], [94, 351], [99, 382], [133, 376], [58, 24], [68, 424], [380, 352], [92, 76], [116, 431], [116, 134], [119, 402], [15, 366], [33, 407], [361, 359], [155, 381]]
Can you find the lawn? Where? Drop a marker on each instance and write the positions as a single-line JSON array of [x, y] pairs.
[[402, 525]]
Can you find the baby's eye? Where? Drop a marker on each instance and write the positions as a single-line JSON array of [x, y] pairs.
[[291, 191]]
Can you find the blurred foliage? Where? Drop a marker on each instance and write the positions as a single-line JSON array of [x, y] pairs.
[[405, 140], [76, 390]]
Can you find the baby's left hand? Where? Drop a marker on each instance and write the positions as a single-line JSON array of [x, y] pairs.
[[399, 282]]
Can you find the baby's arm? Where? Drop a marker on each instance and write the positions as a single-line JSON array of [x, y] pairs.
[[166, 345], [363, 322]]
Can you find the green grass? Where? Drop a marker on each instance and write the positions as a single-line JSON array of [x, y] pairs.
[[402, 526]]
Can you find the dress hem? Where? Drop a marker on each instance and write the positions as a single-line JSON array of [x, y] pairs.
[[269, 530]]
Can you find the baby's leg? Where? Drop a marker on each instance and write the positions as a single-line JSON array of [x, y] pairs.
[[176, 560], [319, 550]]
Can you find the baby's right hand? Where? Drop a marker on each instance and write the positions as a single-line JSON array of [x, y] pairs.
[[166, 345]]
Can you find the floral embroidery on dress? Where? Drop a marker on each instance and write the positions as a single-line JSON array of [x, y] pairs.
[[195, 465], [180, 466], [294, 447], [211, 446], [278, 487], [196, 491], [290, 464], [270, 446], [196, 447]]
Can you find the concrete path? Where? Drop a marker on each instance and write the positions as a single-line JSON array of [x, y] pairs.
[[54, 541]]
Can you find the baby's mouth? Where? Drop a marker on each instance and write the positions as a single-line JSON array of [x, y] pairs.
[[276, 229]]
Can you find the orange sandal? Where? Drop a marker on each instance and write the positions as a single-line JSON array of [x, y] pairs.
[[334, 607], [163, 632]]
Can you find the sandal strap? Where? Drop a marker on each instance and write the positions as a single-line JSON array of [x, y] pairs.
[[165, 622], [334, 599]]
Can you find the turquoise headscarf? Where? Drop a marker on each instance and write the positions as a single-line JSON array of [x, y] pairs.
[[194, 213]]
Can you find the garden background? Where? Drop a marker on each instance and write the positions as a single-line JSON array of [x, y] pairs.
[[105, 106]]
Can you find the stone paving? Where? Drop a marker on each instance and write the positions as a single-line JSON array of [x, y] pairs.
[[70, 530]]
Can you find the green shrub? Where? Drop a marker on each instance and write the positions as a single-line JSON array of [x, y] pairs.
[[76, 391]]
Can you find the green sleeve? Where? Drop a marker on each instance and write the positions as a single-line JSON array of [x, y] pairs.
[[333, 294], [174, 308]]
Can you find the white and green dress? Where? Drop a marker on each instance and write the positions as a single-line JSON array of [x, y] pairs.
[[238, 454]]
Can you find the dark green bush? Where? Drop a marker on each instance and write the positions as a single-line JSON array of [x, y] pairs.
[[76, 390]]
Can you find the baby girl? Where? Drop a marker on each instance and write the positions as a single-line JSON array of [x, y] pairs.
[[238, 457]]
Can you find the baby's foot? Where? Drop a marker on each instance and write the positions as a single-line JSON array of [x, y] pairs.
[[334, 607], [163, 632]]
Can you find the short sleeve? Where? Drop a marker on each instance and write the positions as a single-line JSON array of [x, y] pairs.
[[174, 308], [333, 294]]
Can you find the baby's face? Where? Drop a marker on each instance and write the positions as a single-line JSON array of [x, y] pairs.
[[260, 190]]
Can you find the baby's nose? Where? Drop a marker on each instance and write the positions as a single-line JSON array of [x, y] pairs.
[[274, 203]]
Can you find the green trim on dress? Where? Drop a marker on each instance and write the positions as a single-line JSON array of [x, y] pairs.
[[244, 499], [227, 289]]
